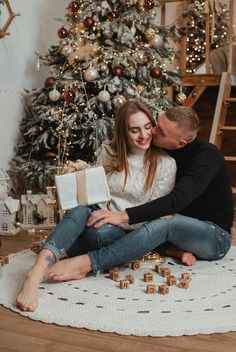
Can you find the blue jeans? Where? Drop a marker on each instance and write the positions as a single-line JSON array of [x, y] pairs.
[[204, 239], [71, 237]]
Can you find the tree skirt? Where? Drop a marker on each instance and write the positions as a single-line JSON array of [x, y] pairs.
[[97, 303]]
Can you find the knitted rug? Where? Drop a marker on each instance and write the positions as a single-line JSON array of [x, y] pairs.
[[97, 303]]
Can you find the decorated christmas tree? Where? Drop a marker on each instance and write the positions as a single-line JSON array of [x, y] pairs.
[[107, 52], [196, 16]]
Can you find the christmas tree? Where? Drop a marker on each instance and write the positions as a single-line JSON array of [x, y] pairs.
[[107, 52], [196, 16]]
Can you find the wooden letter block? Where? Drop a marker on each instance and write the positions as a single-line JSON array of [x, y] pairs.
[[151, 288], [135, 265], [171, 280], [130, 278], [112, 269], [186, 276], [124, 284], [184, 283], [115, 275], [147, 277], [165, 272], [158, 268], [163, 289]]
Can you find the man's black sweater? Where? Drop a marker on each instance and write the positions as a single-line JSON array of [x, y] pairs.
[[202, 188]]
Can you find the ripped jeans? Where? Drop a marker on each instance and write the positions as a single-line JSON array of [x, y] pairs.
[[71, 237], [204, 239]]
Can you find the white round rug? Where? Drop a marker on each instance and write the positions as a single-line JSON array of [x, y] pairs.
[[97, 303]]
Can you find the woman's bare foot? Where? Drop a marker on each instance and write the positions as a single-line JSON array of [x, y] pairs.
[[71, 269], [188, 259], [27, 298]]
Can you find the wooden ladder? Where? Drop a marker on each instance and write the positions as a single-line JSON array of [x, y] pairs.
[[220, 125]]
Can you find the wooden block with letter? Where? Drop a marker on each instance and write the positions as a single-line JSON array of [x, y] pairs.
[[135, 265], [183, 283], [165, 272], [130, 278], [163, 289], [171, 280], [147, 277], [114, 275], [124, 284], [151, 288], [186, 276]]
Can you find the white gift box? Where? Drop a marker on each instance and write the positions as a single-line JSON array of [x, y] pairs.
[[85, 187]]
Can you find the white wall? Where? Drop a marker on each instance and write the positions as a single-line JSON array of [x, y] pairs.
[[33, 31]]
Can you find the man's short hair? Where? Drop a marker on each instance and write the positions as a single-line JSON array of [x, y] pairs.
[[185, 117]]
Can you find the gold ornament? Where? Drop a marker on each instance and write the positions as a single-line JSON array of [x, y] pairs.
[[180, 98], [151, 256], [140, 88], [149, 34]]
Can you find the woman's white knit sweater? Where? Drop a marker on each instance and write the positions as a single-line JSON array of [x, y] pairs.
[[133, 193]]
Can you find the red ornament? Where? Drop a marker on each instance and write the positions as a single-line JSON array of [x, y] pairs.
[[74, 6], [89, 22], [69, 95], [112, 15], [148, 4], [62, 32], [156, 72], [39, 129], [118, 71], [49, 82]]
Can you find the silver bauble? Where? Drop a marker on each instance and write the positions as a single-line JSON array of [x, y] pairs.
[[118, 100], [104, 96], [66, 50], [90, 74], [54, 95], [156, 41]]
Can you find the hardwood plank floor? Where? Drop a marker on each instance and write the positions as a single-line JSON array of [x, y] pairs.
[[19, 334]]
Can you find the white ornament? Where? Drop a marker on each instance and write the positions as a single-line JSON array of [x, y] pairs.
[[66, 50], [90, 74], [118, 100], [54, 95], [156, 41], [104, 96], [130, 91], [103, 68]]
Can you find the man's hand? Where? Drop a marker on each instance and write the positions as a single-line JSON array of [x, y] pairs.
[[103, 216]]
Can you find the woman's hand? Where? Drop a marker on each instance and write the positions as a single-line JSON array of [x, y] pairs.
[[103, 216]]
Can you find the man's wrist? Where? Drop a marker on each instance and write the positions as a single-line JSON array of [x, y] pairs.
[[125, 217]]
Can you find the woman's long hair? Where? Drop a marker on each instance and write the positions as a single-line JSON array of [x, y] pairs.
[[120, 146]]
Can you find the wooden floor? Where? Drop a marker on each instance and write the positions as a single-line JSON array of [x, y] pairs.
[[18, 333]]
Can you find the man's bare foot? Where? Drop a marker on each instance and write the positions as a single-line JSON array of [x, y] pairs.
[[27, 299], [188, 259], [71, 269]]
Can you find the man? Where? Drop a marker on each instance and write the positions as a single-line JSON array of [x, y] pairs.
[[200, 205]]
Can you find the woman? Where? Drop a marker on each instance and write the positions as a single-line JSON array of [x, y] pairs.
[[137, 172]]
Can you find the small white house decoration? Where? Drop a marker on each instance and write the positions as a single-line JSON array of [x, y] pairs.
[[8, 207], [38, 210]]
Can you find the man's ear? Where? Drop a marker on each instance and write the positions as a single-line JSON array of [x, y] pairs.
[[182, 143]]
